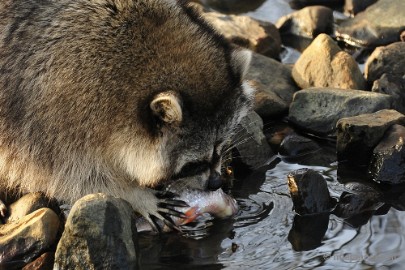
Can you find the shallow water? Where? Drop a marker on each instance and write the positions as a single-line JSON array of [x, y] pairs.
[[258, 237]]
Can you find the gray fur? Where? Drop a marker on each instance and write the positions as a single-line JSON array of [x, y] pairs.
[[77, 78]]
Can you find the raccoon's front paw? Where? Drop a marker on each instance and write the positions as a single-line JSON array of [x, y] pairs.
[[158, 208]]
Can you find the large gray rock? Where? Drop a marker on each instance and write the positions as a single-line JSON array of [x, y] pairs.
[[380, 24], [100, 233], [318, 110], [259, 36], [388, 161], [308, 22], [274, 84], [233, 6], [251, 143], [358, 135], [324, 64], [29, 237]]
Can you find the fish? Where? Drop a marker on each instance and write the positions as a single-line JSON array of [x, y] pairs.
[[216, 203]]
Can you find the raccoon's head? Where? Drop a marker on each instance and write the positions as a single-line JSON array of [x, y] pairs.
[[192, 95]]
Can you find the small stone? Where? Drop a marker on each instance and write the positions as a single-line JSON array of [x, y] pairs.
[[309, 192], [308, 22], [380, 24], [387, 163], [324, 64], [29, 237], [358, 135], [351, 204], [259, 36], [100, 233], [317, 110], [250, 142], [274, 86], [394, 86]]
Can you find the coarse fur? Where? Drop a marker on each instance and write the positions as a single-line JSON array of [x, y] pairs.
[[113, 96]]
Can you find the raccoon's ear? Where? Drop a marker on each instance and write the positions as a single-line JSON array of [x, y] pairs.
[[167, 106], [240, 61]]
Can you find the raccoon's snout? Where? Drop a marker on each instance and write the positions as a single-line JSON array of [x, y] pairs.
[[214, 180]]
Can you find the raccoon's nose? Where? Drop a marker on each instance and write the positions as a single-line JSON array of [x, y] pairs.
[[214, 181]]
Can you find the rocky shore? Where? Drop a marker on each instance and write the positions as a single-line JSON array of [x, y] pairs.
[[347, 87]]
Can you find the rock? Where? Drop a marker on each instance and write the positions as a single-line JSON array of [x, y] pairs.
[[28, 204], [317, 110], [358, 135], [393, 86], [388, 160], [352, 7], [233, 6], [385, 70], [380, 24], [308, 22], [100, 233], [305, 151], [44, 262], [274, 85], [259, 36], [250, 142], [324, 64], [29, 237], [309, 192]]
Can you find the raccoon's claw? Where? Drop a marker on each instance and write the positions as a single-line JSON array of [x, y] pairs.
[[172, 212], [174, 203]]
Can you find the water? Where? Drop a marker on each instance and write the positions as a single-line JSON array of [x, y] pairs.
[[258, 237]]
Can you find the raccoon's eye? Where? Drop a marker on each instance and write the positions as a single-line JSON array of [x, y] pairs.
[[193, 168]]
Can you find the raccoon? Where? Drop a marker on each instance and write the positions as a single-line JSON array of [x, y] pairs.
[[114, 96]]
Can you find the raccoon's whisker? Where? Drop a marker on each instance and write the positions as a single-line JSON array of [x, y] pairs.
[[236, 144]]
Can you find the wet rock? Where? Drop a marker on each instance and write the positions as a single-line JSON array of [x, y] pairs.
[[274, 85], [358, 135], [44, 262], [385, 70], [352, 7], [29, 237], [380, 24], [388, 161], [309, 192], [275, 134], [28, 204], [308, 22], [305, 151], [259, 36], [233, 6], [307, 232], [251, 144], [100, 233], [324, 64], [317, 110]]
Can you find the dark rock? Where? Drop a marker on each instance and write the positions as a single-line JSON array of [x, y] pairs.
[[100, 233], [29, 237], [259, 36], [388, 161], [385, 70], [324, 64], [352, 7], [233, 6], [44, 262], [317, 110], [275, 134], [298, 4], [274, 84], [380, 24], [308, 22], [305, 151], [358, 135], [250, 142], [309, 192]]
